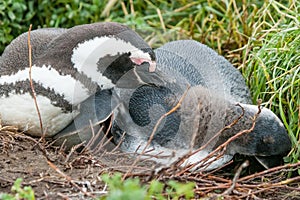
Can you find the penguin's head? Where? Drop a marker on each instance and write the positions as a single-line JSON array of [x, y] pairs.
[[269, 136], [112, 55]]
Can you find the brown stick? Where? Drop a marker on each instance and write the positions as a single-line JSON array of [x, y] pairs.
[[69, 179], [31, 82], [235, 178], [274, 169]]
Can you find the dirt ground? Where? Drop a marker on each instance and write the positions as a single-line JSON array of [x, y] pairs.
[[53, 174]]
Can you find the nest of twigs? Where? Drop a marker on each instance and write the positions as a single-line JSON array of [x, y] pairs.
[[53, 173]]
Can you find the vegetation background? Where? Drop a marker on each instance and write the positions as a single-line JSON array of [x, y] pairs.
[[260, 38]]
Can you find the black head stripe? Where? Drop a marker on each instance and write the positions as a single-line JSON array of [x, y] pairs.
[[117, 66], [150, 52]]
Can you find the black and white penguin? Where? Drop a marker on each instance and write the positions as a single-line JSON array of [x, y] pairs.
[[209, 105], [69, 67]]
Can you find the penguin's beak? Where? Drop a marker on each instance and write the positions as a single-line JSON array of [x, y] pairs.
[[152, 66], [142, 74], [139, 61]]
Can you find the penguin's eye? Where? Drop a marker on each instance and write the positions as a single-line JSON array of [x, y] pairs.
[[139, 61]]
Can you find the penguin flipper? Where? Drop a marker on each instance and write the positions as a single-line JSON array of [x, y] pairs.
[[93, 112]]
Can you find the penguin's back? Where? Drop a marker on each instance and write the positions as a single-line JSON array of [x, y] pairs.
[[200, 65], [16, 56]]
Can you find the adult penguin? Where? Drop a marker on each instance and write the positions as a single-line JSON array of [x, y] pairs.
[[71, 67], [217, 97]]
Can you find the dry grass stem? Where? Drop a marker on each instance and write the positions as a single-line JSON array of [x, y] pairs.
[[31, 82]]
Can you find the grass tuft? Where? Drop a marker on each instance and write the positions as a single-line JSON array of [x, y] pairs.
[[272, 65]]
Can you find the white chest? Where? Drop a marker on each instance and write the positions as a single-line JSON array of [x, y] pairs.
[[19, 110]]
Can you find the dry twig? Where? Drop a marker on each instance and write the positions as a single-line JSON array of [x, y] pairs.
[[69, 179], [31, 82]]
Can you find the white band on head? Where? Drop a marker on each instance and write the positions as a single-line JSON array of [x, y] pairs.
[[86, 55]]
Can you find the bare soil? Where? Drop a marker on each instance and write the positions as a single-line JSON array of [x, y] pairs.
[[54, 174]]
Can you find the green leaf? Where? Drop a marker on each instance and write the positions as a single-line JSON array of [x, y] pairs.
[[11, 15]]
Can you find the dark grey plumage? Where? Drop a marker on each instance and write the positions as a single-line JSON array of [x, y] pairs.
[[200, 65], [15, 57], [210, 105]]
